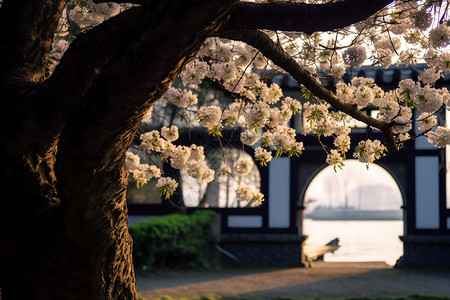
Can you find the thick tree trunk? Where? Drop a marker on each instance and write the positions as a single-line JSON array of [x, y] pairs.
[[41, 259], [63, 215]]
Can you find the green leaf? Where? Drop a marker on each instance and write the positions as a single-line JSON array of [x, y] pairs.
[[306, 93], [216, 131], [279, 152], [183, 118], [262, 162], [164, 191]]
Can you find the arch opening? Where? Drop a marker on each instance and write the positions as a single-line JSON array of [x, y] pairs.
[[361, 207]]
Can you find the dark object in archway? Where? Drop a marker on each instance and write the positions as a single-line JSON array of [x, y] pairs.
[[316, 252]]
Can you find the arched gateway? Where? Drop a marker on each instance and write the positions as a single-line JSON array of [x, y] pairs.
[[272, 233]]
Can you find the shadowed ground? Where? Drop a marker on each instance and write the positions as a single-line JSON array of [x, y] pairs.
[[322, 280]]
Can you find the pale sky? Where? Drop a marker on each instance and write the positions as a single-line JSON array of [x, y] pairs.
[[372, 188]]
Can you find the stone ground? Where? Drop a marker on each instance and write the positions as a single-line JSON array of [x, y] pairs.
[[325, 279]]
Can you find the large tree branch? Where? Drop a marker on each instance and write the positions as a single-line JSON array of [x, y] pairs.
[[78, 68], [300, 17], [49, 104], [92, 147], [275, 52], [26, 32], [27, 29]]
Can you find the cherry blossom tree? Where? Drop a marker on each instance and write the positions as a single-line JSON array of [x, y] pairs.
[[77, 79]]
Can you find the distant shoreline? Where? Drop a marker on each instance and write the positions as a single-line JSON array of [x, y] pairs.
[[331, 214]]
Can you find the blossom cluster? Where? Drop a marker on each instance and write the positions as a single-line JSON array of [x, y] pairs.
[[245, 193], [405, 32], [368, 151], [142, 173], [166, 186], [263, 113]]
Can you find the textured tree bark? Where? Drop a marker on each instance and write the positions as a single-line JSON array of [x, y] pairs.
[[302, 17], [63, 215], [296, 16]]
